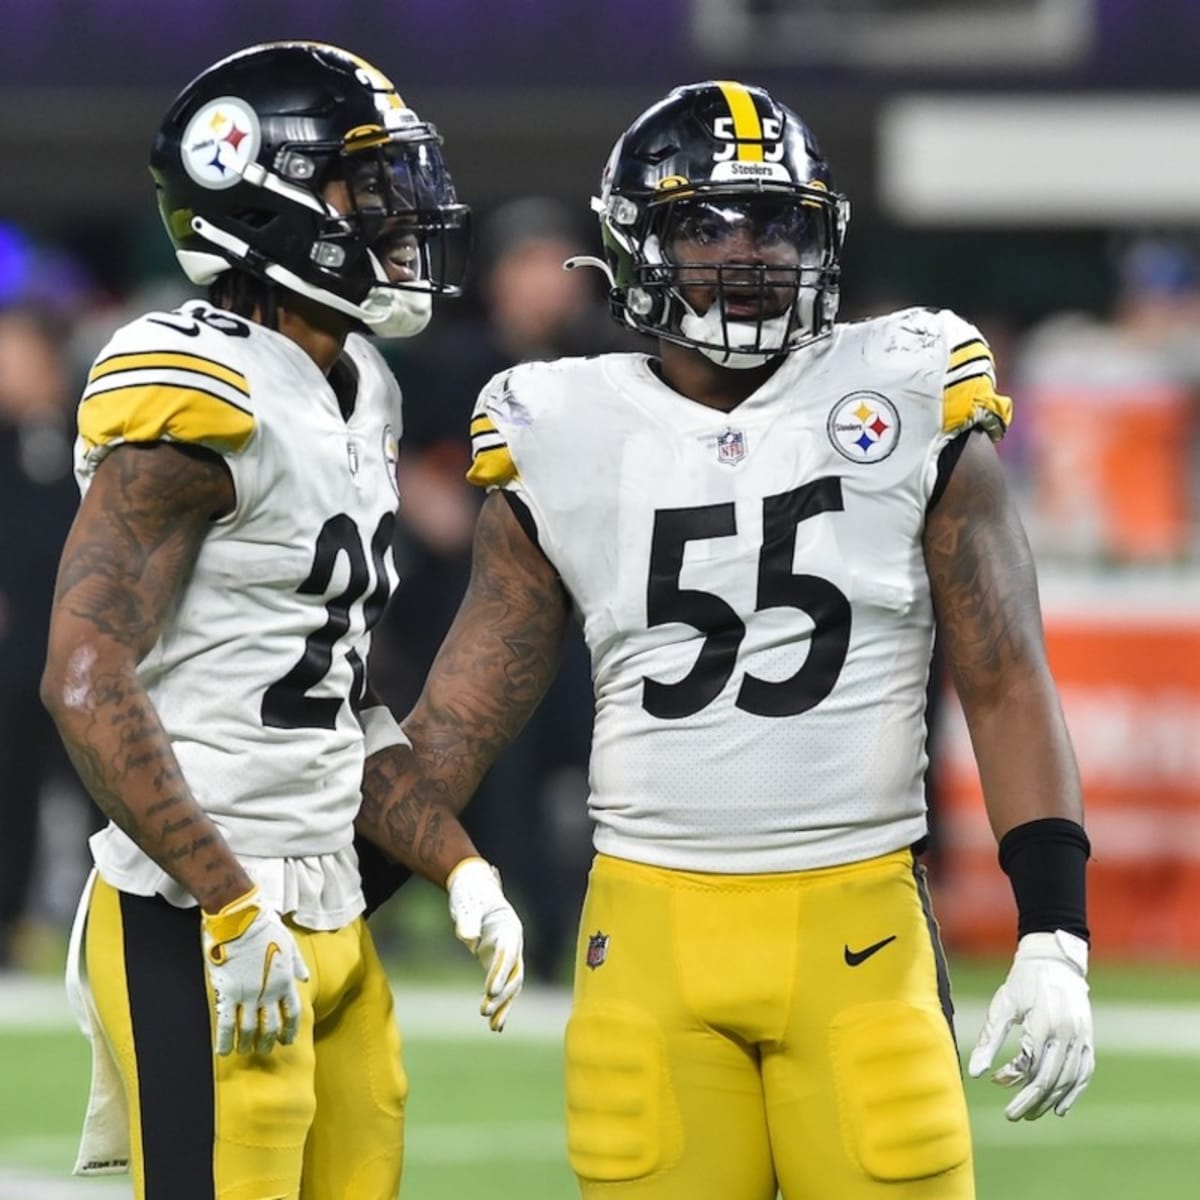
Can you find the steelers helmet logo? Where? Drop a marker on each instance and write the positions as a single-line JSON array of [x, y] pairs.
[[219, 141], [864, 427]]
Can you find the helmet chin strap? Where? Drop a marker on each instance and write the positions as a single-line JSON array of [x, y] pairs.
[[388, 312]]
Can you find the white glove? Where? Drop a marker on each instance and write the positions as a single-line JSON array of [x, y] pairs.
[[1046, 993], [253, 964], [486, 922]]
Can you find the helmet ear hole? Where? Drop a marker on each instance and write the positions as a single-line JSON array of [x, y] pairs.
[[253, 218]]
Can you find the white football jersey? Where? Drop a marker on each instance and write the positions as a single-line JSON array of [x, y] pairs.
[[258, 674], [751, 584]]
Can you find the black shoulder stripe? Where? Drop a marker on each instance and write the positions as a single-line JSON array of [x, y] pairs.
[[947, 461], [520, 510]]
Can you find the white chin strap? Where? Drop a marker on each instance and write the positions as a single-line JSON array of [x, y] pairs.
[[389, 312]]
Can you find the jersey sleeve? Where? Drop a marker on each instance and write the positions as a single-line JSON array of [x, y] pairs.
[[969, 396], [492, 463], [151, 383]]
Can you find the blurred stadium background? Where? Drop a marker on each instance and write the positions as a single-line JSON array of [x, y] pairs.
[[1034, 164]]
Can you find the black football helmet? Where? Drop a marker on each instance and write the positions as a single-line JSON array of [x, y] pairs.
[[242, 160], [722, 166]]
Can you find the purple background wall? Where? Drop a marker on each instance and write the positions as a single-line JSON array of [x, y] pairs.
[[517, 43]]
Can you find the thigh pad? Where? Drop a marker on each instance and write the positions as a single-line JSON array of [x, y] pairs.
[[621, 1118], [899, 1091]]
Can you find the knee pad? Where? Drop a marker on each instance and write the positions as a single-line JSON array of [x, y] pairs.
[[621, 1118], [899, 1091]]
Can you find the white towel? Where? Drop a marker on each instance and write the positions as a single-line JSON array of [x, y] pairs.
[[104, 1143]]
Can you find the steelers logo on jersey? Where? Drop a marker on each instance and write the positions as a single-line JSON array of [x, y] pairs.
[[864, 427], [391, 458], [220, 140]]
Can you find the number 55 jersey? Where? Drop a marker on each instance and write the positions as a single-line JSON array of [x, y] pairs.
[[751, 584], [259, 670]]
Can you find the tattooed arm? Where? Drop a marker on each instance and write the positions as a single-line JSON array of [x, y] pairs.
[[495, 665], [986, 599], [126, 562]]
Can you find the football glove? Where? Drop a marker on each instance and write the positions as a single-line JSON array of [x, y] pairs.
[[486, 923], [1046, 993], [253, 965]]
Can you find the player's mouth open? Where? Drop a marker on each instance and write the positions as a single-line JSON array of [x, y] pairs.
[[751, 305], [400, 259]]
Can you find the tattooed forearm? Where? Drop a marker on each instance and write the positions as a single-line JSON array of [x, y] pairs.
[[984, 590], [492, 670], [127, 559], [410, 817]]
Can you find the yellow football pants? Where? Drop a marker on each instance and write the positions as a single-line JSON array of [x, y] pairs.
[[321, 1119], [732, 1035]]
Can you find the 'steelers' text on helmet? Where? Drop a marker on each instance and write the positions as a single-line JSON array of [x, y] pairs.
[[246, 151], [727, 158]]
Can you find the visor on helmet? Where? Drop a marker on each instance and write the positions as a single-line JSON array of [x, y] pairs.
[[403, 209]]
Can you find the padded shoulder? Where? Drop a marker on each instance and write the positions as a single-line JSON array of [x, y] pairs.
[[969, 395], [172, 376], [517, 399]]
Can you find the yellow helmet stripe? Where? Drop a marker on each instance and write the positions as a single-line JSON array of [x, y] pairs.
[[747, 127]]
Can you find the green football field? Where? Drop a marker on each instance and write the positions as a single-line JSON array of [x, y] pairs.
[[486, 1112]]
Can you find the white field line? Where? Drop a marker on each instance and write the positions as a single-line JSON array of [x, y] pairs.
[[1130, 1125], [18, 1186], [541, 1014]]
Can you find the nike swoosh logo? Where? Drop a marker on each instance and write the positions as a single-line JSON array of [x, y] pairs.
[[187, 330], [274, 950], [855, 958]]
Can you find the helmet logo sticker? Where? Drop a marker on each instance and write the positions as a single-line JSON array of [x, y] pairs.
[[220, 140], [864, 427]]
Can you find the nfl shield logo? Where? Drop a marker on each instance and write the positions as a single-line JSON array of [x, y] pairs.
[[731, 446], [597, 949]]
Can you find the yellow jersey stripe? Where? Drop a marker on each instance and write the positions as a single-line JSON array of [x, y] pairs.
[[164, 412], [747, 127], [975, 400], [482, 424], [975, 348], [173, 360], [492, 468]]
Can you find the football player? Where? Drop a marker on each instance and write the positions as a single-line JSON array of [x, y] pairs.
[[758, 527], [215, 600]]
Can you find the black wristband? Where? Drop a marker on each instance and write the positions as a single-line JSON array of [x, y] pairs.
[[1046, 860]]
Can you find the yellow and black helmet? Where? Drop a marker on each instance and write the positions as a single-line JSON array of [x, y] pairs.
[[712, 156]]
